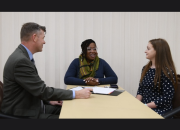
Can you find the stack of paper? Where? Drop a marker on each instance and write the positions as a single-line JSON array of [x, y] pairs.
[[99, 90], [77, 88], [103, 90]]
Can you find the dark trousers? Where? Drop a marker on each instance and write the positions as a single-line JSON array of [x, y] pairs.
[[51, 112]]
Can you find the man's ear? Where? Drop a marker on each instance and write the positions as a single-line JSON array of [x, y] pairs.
[[34, 37]]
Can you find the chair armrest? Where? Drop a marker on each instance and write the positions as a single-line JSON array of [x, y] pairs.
[[171, 113]]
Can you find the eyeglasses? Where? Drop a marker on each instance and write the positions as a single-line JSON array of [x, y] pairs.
[[91, 49]]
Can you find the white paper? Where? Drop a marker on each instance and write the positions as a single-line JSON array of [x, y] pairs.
[[76, 88], [100, 90], [89, 87]]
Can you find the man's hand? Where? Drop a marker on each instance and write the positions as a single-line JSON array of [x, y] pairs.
[[56, 103], [91, 81], [83, 93]]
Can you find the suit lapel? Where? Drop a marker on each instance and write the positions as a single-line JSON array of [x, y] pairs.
[[35, 69], [26, 54]]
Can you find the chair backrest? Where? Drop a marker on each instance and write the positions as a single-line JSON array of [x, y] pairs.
[[176, 99], [4, 116], [1, 93]]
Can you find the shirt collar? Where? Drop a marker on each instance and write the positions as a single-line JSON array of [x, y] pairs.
[[28, 51]]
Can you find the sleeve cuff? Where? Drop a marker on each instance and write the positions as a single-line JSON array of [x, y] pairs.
[[73, 93]]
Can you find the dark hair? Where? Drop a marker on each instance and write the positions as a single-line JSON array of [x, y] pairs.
[[30, 28], [163, 62], [84, 46]]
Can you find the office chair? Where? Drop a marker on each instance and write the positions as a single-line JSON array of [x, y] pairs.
[[5, 116], [175, 113]]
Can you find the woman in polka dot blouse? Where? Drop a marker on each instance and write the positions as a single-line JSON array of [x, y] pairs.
[[158, 80]]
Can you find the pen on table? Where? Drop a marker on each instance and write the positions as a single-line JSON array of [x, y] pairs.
[[84, 88]]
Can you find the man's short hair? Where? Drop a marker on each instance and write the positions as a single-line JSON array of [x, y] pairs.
[[28, 29]]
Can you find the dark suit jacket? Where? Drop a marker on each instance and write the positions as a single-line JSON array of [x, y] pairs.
[[24, 89]]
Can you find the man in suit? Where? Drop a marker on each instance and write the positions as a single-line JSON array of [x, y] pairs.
[[24, 93]]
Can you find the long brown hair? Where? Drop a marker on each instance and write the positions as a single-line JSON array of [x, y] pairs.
[[163, 62]]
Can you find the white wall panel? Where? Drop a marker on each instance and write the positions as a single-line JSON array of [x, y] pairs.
[[117, 46], [78, 34], [61, 48], [51, 49], [121, 38], [39, 58], [98, 32]]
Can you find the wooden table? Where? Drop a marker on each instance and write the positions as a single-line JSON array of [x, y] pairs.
[[105, 106]]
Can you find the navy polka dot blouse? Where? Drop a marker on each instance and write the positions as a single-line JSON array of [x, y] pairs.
[[162, 98]]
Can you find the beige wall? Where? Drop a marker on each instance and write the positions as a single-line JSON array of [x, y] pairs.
[[121, 38]]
